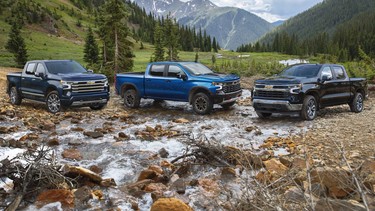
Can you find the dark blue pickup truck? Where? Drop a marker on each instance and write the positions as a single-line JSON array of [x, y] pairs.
[[59, 84], [180, 81]]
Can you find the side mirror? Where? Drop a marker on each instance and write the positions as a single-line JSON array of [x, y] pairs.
[[39, 75], [182, 76], [326, 78], [90, 71]]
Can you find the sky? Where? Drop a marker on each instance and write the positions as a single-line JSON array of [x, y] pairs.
[[270, 10]]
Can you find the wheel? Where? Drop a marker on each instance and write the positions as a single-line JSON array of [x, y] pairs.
[[97, 107], [131, 98], [14, 95], [263, 115], [356, 105], [227, 106], [309, 108], [53, 102], [202, 104]]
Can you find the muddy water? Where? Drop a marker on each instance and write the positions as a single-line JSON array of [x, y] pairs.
[[124, 160]]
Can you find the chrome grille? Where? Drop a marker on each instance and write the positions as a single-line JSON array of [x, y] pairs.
[[88, 86], [231, 87]]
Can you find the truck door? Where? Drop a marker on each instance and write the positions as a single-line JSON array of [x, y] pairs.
[[39, 84], [155, 82], [342, 81], [27, 82], [176, 84], [327, 87]]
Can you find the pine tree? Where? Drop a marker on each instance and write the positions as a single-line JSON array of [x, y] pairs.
[[16, 45], [172, 41], [158, 43], [91, 51]]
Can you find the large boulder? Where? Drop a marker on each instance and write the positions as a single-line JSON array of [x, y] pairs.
[[170, 204], [275, 168], [72, 154]]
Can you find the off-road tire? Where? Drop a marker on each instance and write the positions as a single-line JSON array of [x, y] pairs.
[[227, 106], [356, 105], [53, 102], [263, 115], [131, 98], [202, 104], [15, 96], [309, 108]]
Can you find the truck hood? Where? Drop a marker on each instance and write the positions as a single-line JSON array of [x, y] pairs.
[[280, 80], [217, 77], [82, 77]]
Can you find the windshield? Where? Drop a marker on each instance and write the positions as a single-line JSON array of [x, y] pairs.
[[64, 67], [197, 69], [307, 71]]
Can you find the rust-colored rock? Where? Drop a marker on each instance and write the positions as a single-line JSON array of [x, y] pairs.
[[98, 194], [209, 185], [181, 120], [170, 204], [65, 197], [228, 172], [108, 182], [147, 174], [264, 177], [275, 168], [96, 169], [156, 169], [156, 190], [73, 154], [48, 125], [53, 142]]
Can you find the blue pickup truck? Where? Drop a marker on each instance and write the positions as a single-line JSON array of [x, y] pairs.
[[59, 84], [180, 81]]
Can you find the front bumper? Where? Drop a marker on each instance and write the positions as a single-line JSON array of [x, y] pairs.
[[223, 98], [275, 106], [87, 99]]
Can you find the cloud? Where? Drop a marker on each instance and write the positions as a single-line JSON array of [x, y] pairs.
[[270, 10]]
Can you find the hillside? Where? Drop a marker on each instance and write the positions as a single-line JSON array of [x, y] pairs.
[[324, 17], [231, 26]]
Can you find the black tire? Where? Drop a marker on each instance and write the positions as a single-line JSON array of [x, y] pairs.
[[53, 102], [131, 98], [97, 107], [202, 104], [356, 105], [309, 108], [263, 115], [15, 96], [227, 106]]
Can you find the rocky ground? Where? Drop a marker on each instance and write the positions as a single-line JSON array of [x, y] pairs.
[[149, 155]]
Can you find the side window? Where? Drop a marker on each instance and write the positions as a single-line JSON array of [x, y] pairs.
[[157, 70], [175, 71], [30, 68], [339, 72], [40, 68], [327, 71]]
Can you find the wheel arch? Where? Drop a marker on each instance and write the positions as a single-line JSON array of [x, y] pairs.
[[315, 95], [198, 89], [127, 86]]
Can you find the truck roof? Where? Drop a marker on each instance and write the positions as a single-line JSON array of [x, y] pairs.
[[47, 60]]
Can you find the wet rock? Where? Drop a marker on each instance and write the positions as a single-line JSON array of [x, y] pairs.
[[48, 125], [147, 174], [275, 168], [194, 182], [97, 194], [294, 194], [3, 143], [183, 170], [181, 120], [4, 130], [179, 186], [336, 204], [338, 181], [108, 182], [82, 194], [75, 142], [139, 185], [79, 171], [53, 142], [170, 204], [96, 169], [65, 197], [210, 186], [77, 129], [29, 136], [73, 154], [123, 136], [75, 121], [156, 189], [93, 134], [156, 169], [14, 143], [163, 153]]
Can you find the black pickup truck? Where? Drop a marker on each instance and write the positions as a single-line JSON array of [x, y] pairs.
[[306, 88], [59, 84]]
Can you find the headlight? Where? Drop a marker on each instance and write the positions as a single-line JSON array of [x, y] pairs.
[[66, 85], [295, 89], [106, 83]]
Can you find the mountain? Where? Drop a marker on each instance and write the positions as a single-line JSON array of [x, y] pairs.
[[278, 23], [325, 17], [230, 26]]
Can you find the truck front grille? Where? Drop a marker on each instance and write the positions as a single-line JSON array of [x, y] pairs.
[[271, 94], [88, 86], [231, 87]]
